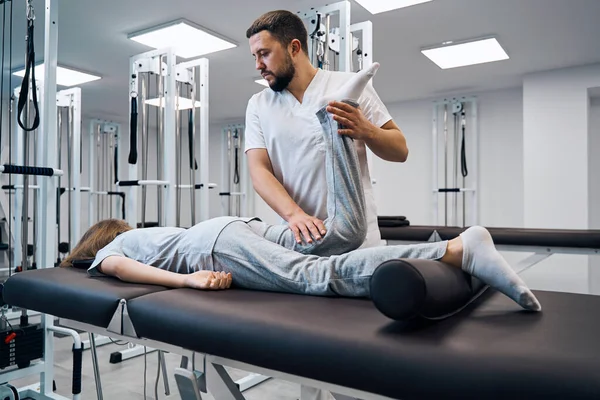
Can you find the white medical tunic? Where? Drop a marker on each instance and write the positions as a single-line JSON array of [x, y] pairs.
[[292, 135]]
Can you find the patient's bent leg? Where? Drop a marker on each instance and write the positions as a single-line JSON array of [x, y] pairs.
[[346, 221]]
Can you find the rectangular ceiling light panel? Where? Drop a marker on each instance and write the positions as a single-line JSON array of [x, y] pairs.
[[452, 55], [64, 76], [187, 39], [379, 6]]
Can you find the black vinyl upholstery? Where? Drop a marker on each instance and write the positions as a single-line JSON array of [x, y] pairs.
[[491, 350], [572, 238], [70, 293]]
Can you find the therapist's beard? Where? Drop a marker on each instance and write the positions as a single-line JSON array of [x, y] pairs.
[[283, 78]]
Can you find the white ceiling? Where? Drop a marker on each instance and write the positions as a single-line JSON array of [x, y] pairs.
[[537, 34]]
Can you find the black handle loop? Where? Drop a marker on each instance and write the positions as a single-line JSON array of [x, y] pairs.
[[24, 94]]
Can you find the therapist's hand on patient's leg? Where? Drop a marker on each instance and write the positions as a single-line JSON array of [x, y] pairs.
[[208, 280], [306, 227]]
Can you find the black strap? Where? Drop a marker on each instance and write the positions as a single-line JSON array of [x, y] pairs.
[[133, 132], [122, 196], [24, 94], [116, 162], [463, 155], [236, 171], [236, 167], [193, 161]]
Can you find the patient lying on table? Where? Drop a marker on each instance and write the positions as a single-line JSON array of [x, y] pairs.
[[247, 253]]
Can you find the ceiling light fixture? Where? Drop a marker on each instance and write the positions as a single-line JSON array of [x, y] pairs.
[[64, 76], [379, 6], [186, 38], [459, 54]]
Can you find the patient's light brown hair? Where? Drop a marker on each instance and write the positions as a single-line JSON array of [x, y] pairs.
[[98, 236]]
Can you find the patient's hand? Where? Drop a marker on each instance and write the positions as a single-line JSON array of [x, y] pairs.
[[208, 280]]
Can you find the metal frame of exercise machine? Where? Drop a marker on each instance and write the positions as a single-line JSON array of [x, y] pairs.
[[46, 209], [69, 99], [163, 63], [343, 32], [240, 193], [342, 10], [467, 107], [104, 141]]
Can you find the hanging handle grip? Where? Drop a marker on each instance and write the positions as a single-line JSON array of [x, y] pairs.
[[133, 132], [24, 94]]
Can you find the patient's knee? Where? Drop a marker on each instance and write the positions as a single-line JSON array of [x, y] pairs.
[[349, 234]]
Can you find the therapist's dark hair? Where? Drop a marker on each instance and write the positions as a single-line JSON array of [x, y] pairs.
[[94, 239], [285, 26]]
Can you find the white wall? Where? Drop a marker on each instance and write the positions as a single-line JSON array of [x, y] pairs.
[[594, 192], [405, 189], [556, 171], [556, 147], [594, 163]]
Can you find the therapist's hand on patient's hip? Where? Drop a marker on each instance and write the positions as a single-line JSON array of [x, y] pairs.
[[354, 122], [208, 280], [307, 227]]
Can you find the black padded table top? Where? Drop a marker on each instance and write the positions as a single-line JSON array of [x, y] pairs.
[[491, 350], [503, 236], [71, 293]]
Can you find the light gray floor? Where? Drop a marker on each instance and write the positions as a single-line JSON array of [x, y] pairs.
[[125, 380]]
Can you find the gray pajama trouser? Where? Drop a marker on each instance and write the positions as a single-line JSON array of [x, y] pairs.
[[266, 257]]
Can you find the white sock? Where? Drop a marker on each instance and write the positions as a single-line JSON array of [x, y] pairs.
[[353, 88], [483, 261]]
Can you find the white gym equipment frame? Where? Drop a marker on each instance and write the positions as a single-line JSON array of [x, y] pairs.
[[47, 201], [100, 127], [69, 98], [72, 98], [471, 215], [163, 62], [345, 30], [245, 193]]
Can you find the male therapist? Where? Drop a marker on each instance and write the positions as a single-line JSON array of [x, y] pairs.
[[284, 146]]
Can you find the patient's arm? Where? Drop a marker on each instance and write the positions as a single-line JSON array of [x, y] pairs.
[[133, 271]]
